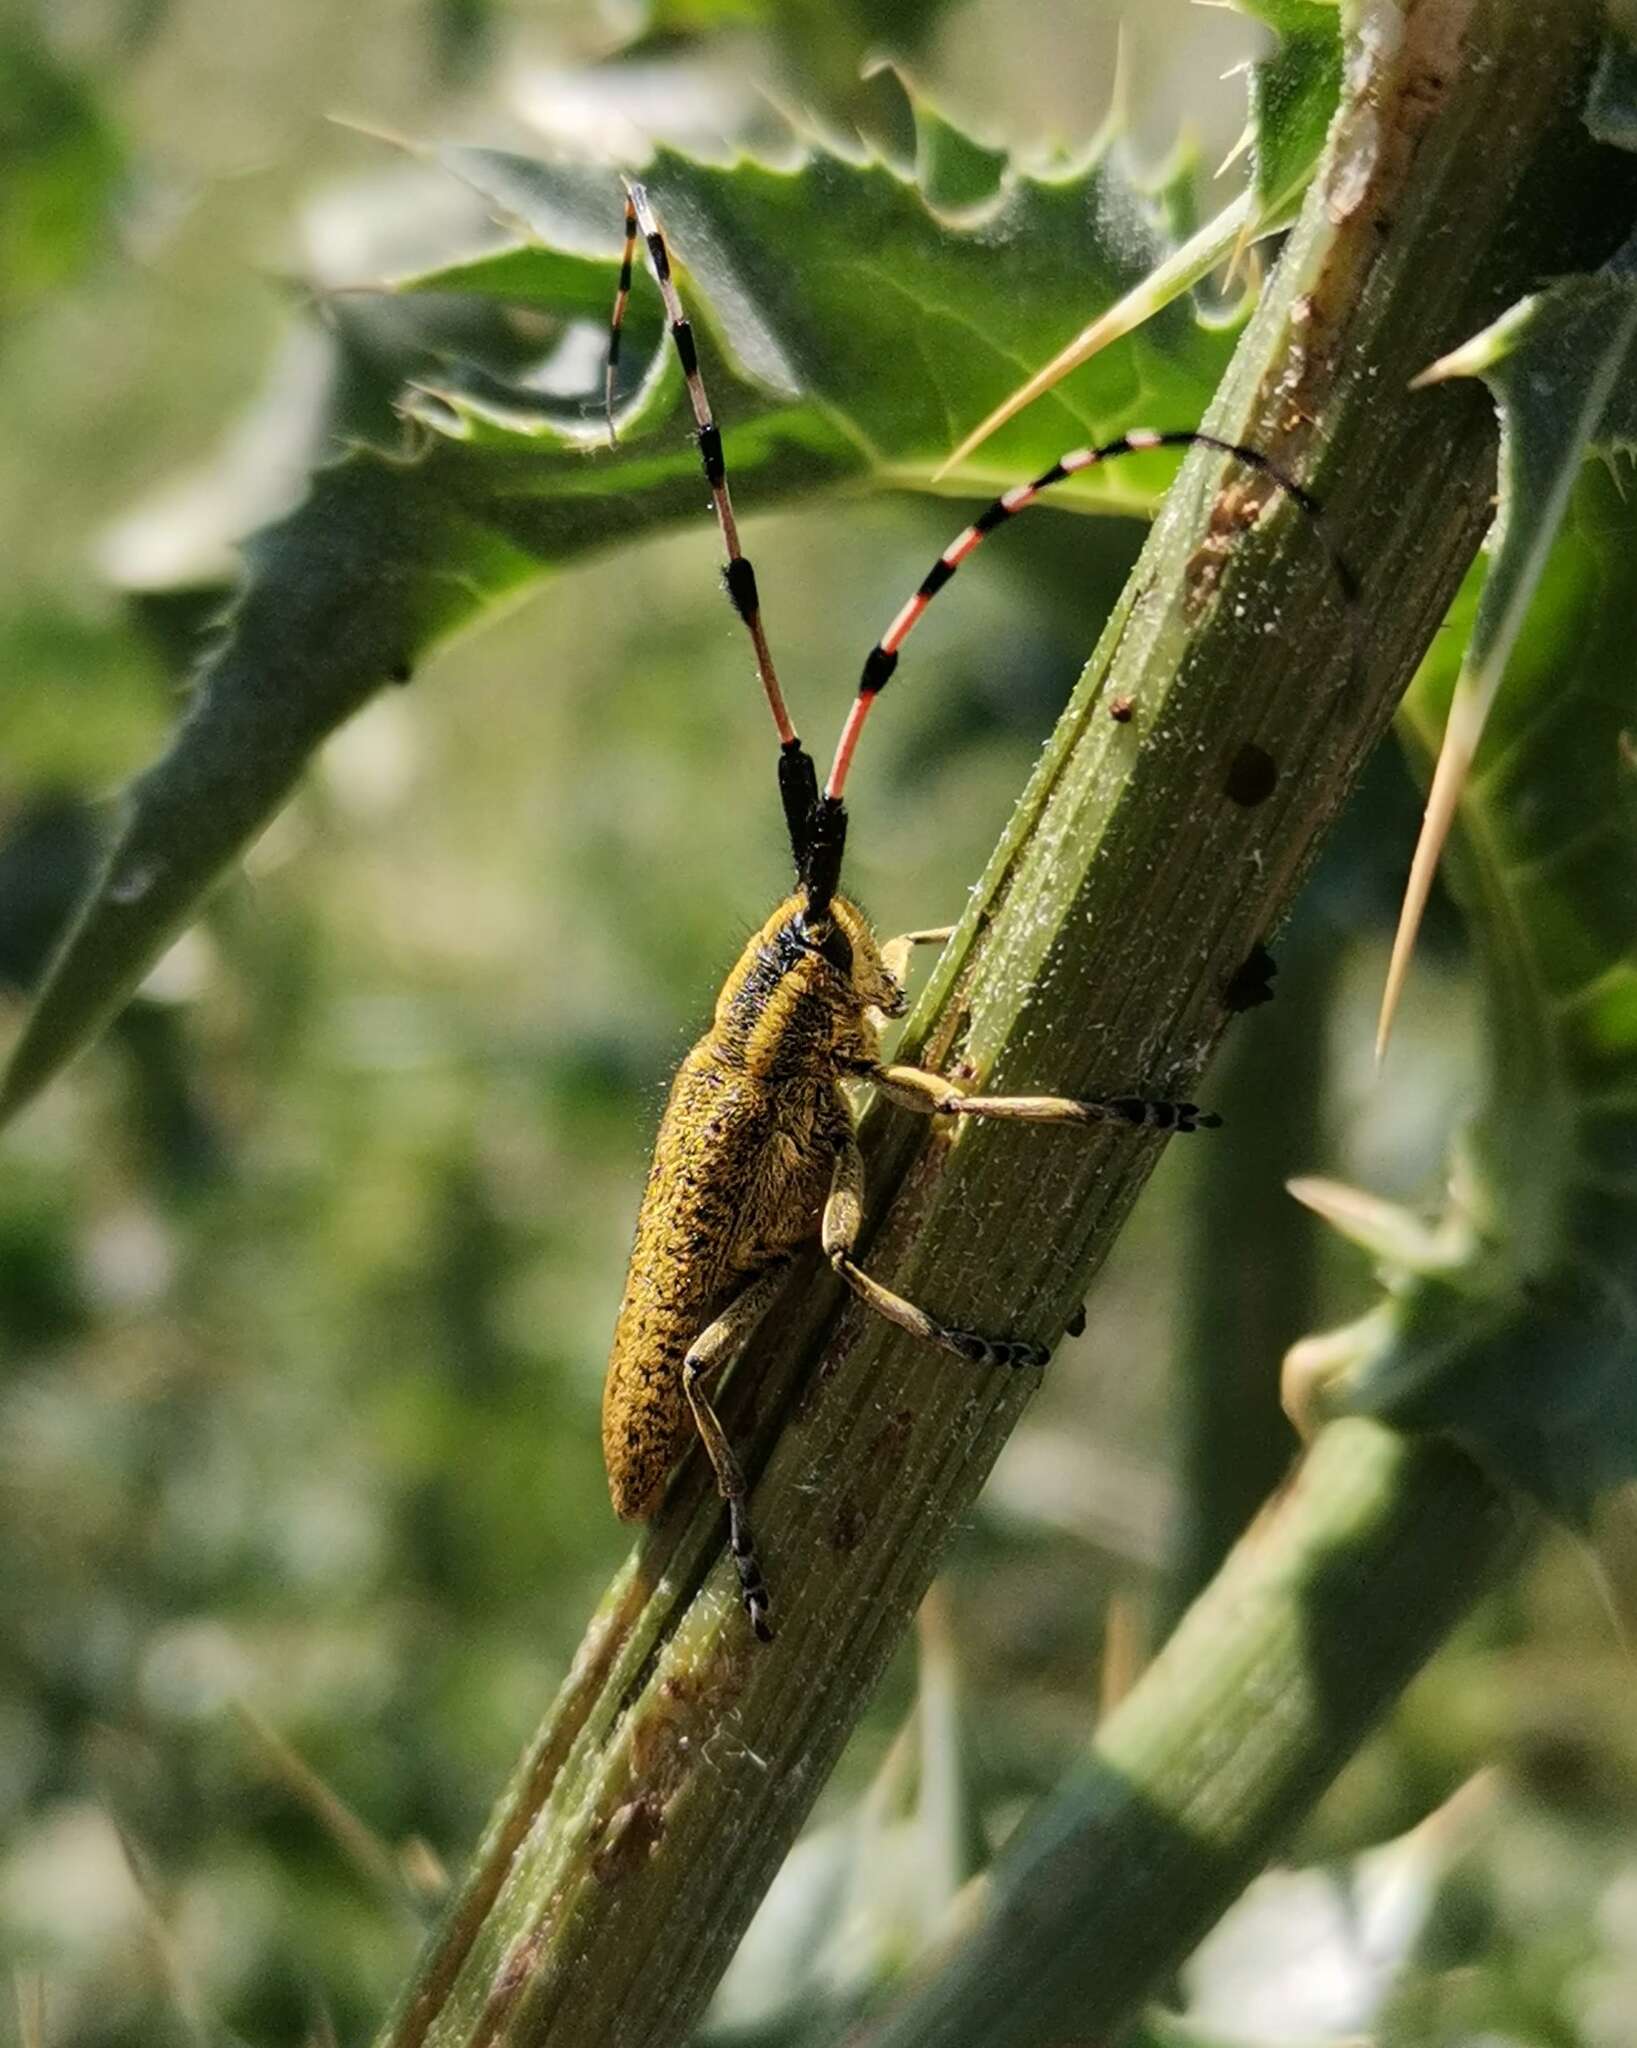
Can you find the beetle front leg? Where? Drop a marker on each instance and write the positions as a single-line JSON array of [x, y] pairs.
[[715, 1345], [843, 1214], [931, 1095], [896, 952]]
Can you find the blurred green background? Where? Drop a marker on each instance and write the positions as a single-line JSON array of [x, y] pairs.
[[307, 1275]]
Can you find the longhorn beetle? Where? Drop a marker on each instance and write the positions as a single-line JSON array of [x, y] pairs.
[[757, 1151]]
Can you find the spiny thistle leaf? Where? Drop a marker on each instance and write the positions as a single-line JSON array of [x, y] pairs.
[[1292, 97], [844, 327], [1524, 1344], [1562, 365]]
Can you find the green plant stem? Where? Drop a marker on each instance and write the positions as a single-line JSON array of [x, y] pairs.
[[681, 1758], [1316, 1622], [1251, 1262]]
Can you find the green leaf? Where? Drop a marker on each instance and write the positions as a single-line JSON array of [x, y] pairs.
[[835, 282], [952, 169], [1293, 94], [1562, 365], [843, 327], [1525, 1345], [64, 165]]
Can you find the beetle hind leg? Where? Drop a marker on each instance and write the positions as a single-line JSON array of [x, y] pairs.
[[842, 1215], [709, 1352]]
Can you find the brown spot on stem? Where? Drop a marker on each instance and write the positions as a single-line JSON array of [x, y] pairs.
[[517, 1966], [847, 1529], [628, 1841]]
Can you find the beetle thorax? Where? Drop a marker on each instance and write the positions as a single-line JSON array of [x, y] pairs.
[[802, 992]]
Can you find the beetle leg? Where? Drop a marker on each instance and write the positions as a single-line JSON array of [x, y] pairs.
[[896, 952], [715, 1345], [843, 1213], [914, 1088]]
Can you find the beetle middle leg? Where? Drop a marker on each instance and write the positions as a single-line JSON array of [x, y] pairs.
[[715, 1345], [843, 1214]]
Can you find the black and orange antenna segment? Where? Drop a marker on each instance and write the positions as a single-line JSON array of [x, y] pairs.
[[818, 823], [882, 658], [798, 780]]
